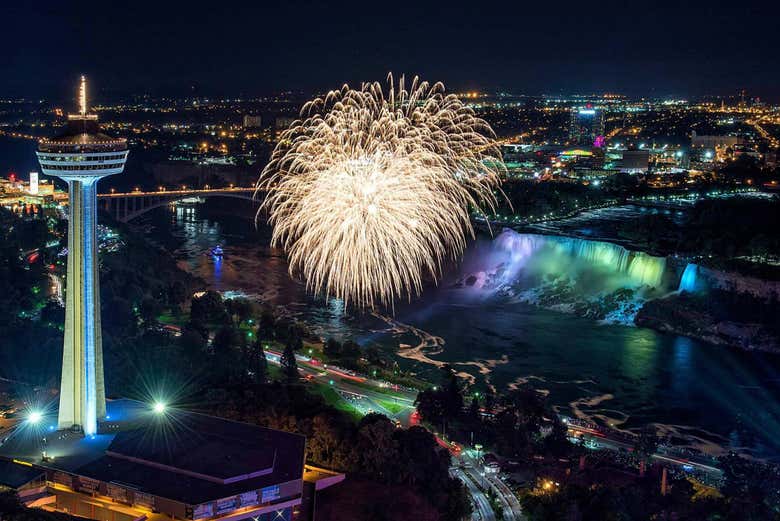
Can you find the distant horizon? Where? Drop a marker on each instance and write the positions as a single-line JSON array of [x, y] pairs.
[[106, 95]]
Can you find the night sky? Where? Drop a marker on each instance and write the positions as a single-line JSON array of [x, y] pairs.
[[215, 48]]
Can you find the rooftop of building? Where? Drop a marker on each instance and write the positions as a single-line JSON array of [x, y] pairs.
[[15, 475], [183, 456], [82, 132]]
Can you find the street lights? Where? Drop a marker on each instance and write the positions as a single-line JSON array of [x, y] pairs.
[[478, 448], [34, 418]]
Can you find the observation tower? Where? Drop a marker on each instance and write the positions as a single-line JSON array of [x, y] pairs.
[[81, 156]]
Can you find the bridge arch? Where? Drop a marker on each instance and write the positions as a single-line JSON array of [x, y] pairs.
[[126, 207]]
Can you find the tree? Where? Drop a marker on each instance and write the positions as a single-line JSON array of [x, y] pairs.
[[53, 313], [646, 443], [474, 410], [192, 344], [121, 320], [377, 449], [150, 309], [208, 309], [257, 363], [490, 400], [452, 398], [226, 338], [226, 356], [327, 445], [457, 504], [430, 405], [267, 322], [332, 348], [350, 349], [240, 308], [289, 363], [177, 292], [31, 234]]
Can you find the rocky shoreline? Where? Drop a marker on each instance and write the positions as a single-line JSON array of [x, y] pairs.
[[684, 315]]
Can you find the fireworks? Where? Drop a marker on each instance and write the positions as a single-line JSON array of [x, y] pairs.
[[370, 191]]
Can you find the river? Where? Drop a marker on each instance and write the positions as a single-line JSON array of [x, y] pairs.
[[704, 396]]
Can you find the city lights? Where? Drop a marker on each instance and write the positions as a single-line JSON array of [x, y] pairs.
[[306, 288]]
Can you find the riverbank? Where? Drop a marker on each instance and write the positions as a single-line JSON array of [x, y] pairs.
[[736, 320]]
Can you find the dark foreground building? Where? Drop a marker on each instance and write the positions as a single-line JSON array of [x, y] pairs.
[[170, 464]]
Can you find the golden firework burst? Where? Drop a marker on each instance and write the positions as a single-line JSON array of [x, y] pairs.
[[370, 192]]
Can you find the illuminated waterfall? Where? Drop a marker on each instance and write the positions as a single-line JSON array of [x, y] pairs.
[[688, 280], [641, 269], [599, 253]]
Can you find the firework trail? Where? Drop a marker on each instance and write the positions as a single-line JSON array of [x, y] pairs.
[[369, 192]]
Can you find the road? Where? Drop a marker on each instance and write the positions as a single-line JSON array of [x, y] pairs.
[[512, 507], [371, 395], [365, 394], [605, 441], [509, 502], [482, 509], [357, 390]]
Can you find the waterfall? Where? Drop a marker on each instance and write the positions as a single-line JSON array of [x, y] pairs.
[[688, 280], [596, 252], [640, 268], [646, 269]]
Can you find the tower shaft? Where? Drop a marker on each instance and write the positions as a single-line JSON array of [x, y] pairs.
[[82, 394], [81, 156]]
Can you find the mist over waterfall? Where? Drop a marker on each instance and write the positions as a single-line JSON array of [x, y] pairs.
[[591, 278]]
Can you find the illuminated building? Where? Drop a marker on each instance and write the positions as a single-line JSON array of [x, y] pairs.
[[586, 126], [166, 463], [33, 188], [252, 121], [706, 141], [81, 156], [635, 161]]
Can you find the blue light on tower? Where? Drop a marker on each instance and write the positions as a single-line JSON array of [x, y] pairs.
[[81, 156]]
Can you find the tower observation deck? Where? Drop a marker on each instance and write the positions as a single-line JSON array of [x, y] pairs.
[[81, 156]]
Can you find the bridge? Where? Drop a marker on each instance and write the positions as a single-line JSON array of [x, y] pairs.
[[126, 206]]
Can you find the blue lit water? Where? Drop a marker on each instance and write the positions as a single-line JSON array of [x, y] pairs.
[[704, 396]]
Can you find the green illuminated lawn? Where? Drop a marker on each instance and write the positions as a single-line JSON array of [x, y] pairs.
[[391, 406], [335, 400]]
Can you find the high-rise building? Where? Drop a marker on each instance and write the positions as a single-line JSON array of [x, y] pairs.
[[33, 188], [635, 161], [586, 126], [252, 121], [81, 156]]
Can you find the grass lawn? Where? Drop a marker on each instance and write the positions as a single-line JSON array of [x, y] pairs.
[[334, 399], [384, 390], [391, 406], [169, 319]]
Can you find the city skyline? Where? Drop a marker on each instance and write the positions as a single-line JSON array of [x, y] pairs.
[[371, 261]]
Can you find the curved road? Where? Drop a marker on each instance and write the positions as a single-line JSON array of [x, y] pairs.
[[482, 508]]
